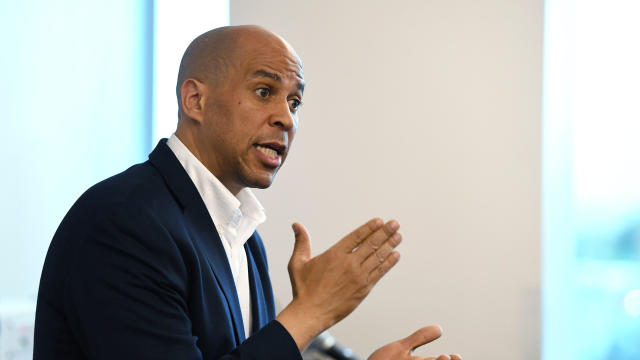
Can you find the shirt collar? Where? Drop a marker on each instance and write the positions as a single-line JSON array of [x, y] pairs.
[[225, 209]]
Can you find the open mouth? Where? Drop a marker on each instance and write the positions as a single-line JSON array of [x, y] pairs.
[[271, 149], [270, 154], [267, 151]]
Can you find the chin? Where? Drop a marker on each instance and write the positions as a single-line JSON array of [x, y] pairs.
[[262, 186], [261, 182]]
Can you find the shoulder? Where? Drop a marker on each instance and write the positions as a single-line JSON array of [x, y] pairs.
[[121, 226], [137, 191], [141, 185], [134, 209]]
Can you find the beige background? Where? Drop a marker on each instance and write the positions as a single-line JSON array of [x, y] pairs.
[[428, 112]]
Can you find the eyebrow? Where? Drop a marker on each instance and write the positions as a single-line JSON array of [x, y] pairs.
[[276, 77], [265, 73]]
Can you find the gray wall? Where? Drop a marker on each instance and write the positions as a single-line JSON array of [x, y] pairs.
[[428, 112]]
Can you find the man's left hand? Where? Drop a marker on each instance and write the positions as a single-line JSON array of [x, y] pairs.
[[402, 349]]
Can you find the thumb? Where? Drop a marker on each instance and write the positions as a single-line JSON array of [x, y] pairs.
[[421, 337], [302, 245]]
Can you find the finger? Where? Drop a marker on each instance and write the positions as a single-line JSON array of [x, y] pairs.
[[441, 357], [302, 245], [377, 273], [379, 256], [375, 240], [357, 236], [422, 336]]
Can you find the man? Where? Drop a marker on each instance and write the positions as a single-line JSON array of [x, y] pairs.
[[162, 261]]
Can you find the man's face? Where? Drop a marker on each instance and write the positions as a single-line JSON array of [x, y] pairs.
[[250, 120]]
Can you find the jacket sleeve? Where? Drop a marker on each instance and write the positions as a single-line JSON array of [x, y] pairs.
[[126, 297]]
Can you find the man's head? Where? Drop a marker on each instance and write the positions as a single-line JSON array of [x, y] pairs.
[[238, 91]]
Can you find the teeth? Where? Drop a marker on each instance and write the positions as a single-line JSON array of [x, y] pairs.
[[267, 151]]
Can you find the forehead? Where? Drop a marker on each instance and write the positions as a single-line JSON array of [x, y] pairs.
[[271, 59]]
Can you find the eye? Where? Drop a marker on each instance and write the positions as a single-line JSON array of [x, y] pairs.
[[294, 104], [263, 92]]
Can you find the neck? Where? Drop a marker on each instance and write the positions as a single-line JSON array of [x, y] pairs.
[[189, 140]]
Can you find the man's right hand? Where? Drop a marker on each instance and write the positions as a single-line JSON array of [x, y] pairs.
[[330, 286]]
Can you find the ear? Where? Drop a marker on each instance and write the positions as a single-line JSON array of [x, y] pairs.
[[192, 98]]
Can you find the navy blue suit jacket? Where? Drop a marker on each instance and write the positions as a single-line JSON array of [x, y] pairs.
[[137, 270]]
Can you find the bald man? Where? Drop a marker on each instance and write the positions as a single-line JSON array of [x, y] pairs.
[[162, 261]]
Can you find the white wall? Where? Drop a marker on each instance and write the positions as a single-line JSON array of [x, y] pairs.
[[429, 112], [175, 26]]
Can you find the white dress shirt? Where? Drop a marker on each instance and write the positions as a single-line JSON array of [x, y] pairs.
[[235, 217]]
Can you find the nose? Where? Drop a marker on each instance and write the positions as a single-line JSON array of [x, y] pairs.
[[282, 117]]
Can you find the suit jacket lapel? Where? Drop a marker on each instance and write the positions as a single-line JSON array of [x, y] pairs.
[[200, 226], [203, 229], [259, 314], [262, 301]]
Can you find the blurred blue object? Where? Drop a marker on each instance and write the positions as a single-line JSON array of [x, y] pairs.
[[607, 278], [76, 100], [632, 303], [591, 194]]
